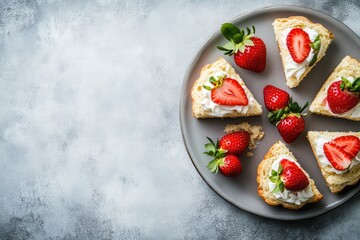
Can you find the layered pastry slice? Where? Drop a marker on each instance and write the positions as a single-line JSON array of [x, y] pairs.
[[302, 44], [282, 181], [220, 92], [340, 94], [338, 157]]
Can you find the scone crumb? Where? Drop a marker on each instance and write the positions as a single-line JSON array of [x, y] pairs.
[[249, 154], [256, 133]]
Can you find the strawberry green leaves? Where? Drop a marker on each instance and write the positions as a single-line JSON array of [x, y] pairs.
[[215, 81], [211, 147], [213, 150], [275, 178], [351, 87], [292, 108], [316, 45], [238, 39], [214, 165], [229, 31]]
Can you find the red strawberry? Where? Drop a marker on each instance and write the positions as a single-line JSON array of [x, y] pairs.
[[227, 91], [338, 158], [340, 98], [298, 43], [235, 143], [291, 127], [253, 58], [290, 176], [223, 152], [249, 51], [349, 144], [275, 98], [229, 166], [289, 121]]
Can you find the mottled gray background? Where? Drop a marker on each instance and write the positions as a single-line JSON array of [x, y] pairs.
[[90, 143]]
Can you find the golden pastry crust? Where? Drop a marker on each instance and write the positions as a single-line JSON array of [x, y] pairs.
[[326, 38], [348, 67], [263, 170], [199, 111], [335, 182]]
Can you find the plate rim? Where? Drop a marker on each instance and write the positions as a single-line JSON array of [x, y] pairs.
[[245, 15]]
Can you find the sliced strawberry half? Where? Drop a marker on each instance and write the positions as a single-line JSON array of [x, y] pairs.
[[338, 158], [230, 93], [350, 144], [298, 43]]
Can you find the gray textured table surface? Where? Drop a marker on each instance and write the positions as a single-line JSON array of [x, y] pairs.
[[90, 142]]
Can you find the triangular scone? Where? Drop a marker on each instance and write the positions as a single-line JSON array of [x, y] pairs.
[[295, 72], [293, 201], [335, 180], [348, 67], [203, 107]]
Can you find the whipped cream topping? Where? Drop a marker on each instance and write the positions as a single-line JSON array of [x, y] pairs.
[[289, 196], [319, 143], [355, 111], [221, 110], [292, 68]]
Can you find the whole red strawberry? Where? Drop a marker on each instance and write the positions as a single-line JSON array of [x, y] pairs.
[[229, 166], [289, 176], [253, 58], [235, 143], [275, 98], [249, 51], [289, 121], [291, 127], [224, 152], [342, 95]]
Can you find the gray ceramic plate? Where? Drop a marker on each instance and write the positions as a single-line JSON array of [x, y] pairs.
[[242, 191]]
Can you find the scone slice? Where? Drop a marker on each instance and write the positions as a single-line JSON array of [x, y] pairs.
[[349, 68], [336, 180], [296, 72], [202, 104], [288, 199]]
